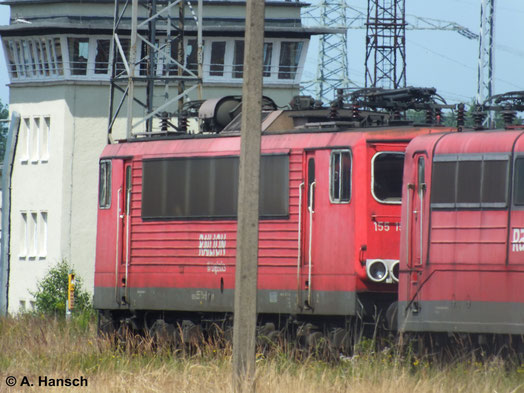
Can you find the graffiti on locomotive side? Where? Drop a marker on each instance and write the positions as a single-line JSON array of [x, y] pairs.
[[201, 296], [212, 245], [518, 240], [216, 267]]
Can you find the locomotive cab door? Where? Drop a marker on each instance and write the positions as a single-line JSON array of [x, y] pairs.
[[418, 218], [124, 236], [516, 227], [326, 244], [418, 214], [309, 221]]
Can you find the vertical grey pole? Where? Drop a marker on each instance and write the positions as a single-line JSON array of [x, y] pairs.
[[248, 192], [7, 173], [200, 56], [131, 63]]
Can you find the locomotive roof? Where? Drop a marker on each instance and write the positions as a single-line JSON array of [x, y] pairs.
[[221, 144], [469, 142]]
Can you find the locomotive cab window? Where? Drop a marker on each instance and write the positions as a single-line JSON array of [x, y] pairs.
[[104, 185], [310, 183], [340, 176], [421, 173], [129, 188], [387, 170]]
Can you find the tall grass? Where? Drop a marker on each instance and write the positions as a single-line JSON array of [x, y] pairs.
[[35, 346]]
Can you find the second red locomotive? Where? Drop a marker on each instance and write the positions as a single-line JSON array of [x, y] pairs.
[[462, 254]]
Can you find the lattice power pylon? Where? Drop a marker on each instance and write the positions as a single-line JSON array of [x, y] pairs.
[[154, 64], [332, 72], [485, 86], [386, 44], [332, 64]]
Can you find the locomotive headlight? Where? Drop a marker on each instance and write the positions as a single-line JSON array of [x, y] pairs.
[[377, 270], [394, 270]]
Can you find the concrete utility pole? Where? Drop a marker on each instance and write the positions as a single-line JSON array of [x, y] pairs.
[[245, 317]]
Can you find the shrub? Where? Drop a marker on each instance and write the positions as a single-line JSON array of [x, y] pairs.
[[51, 293]]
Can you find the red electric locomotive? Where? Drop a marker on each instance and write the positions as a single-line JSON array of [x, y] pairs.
[[462, 244], [329, 222]]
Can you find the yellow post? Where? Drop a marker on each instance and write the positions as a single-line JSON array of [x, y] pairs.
[[71, 292]]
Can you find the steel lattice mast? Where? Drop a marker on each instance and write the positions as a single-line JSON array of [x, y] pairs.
[[153, 57], [386, 44], [485, 85], [332, 67], [332, 64]]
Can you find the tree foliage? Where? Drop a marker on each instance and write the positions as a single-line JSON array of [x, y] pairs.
[[449, 118], [4, 114], [51, 294]]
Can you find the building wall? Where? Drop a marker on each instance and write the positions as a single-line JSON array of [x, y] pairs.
[[65, 187], [88, 105], [37, 189]]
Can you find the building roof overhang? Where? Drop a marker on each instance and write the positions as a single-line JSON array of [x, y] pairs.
[[213, 25], [29, 28], [271, 3]]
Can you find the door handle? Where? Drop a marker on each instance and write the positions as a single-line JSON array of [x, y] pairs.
[[311, 196]]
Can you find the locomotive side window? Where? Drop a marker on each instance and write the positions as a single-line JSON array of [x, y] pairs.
[[190, 187], [387, 171], [468, 183], [518, 191], [443, 182], [471, 182], [104, 185], [207, 187], [274, 186], [340, 176], [495, 183]]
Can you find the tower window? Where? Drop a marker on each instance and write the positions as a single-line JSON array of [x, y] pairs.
[[102, 57], [218, 51], [78, 55], [289, 59]]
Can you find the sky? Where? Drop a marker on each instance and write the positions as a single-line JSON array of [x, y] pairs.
[[445, 59], [441, 59], [4, 77]]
